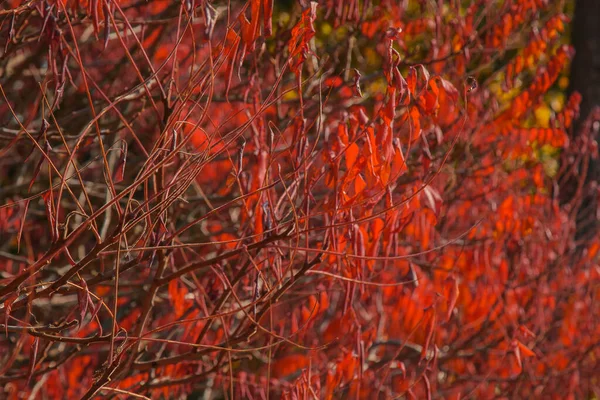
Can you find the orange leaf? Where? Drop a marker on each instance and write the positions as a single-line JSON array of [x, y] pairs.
[[525, 351], [351, 155]]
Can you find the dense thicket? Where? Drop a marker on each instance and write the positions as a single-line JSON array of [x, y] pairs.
[[254, 199]]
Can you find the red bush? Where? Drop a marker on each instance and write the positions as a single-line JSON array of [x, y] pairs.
[[351, 199]]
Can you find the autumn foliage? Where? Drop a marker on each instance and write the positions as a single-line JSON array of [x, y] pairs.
[[292, 199]]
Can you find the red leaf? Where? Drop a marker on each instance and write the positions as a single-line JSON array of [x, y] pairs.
[[268, 17], [302, 33], [433, 200], [351, 155], [398, 161], [526, 331], [95, 312], [82, 301], [177, 297], [429, 330], [415, 117], [8, 307], [22, 225], [452, 296], [250, 28], [49, 203], [43, 129], [333, 81], [231, 50], [289, 364], [518, 356], [32, 358], [411, 81], [106, 23], [120, 169], [357, 90], [38, 167], [448, 87], [427, 386]]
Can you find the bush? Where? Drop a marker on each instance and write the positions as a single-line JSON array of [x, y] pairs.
[[290, 199]]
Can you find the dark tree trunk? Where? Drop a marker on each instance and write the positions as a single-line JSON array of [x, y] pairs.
[[585, 69], [585, 79]]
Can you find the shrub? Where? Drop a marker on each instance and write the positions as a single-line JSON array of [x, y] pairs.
[[351, 199]]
